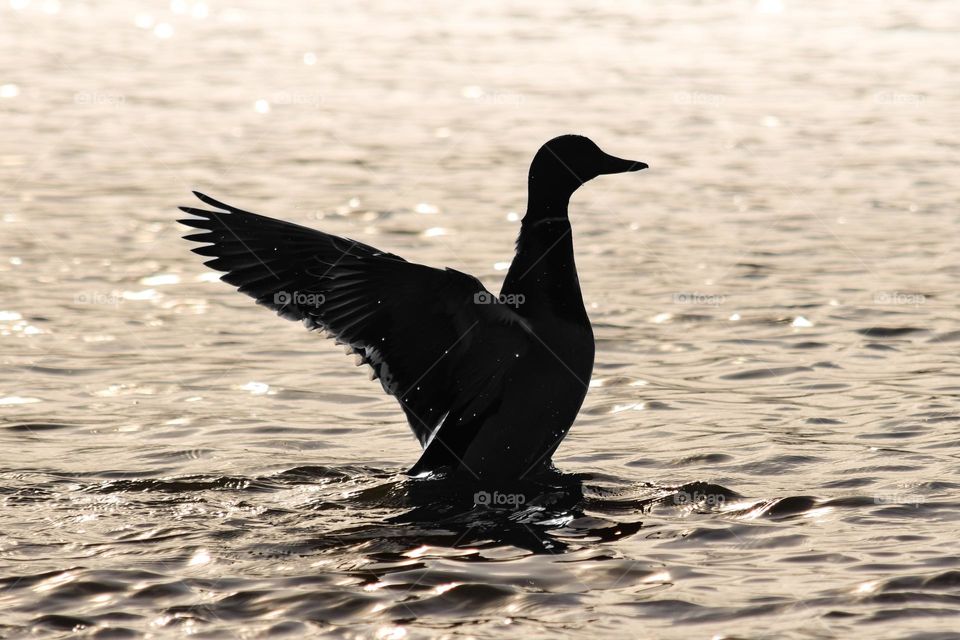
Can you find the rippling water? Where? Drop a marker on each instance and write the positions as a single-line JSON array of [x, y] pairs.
[[770, 445]]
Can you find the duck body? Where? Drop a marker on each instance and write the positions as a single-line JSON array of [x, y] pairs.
[[540, 390], [489, 385]]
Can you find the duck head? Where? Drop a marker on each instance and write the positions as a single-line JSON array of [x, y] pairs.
[[565, 163]]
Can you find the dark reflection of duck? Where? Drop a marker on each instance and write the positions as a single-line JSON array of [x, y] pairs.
[[553, 513], [490, 384], [547, 515]]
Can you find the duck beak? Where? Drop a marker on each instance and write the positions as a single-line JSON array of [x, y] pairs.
[[613, 164]]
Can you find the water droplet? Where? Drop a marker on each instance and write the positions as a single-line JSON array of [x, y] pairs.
[[473, 92], [443, 588], [256, 388], [165, 278], [424, 207], [143, 21], [163, 30], [146, 294], [868, 587], [14, 400], [769, 6], [391, 633]]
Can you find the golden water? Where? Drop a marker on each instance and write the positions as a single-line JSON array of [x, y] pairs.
[[770, 442]]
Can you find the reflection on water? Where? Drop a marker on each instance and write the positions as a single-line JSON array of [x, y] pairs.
[[769, 443]]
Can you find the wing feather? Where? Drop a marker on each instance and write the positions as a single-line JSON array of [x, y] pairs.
[[418, 328]]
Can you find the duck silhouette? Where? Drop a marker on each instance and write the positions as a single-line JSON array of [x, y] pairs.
[[490, 385]]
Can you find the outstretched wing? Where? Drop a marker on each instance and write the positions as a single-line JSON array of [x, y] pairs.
[[419, 328]]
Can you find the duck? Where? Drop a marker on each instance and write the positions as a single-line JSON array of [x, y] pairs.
[[489, 384]]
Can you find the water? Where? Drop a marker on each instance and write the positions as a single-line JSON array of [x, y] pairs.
[[769, 447]]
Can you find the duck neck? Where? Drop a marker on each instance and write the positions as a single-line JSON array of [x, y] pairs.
[[545, 203], [543, 270]]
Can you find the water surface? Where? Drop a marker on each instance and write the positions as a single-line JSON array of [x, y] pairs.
[[769, 446]]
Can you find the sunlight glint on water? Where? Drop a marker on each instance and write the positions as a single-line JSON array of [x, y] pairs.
[[769, 442]]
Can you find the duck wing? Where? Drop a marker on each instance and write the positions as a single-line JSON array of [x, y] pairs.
[[423, 332]]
